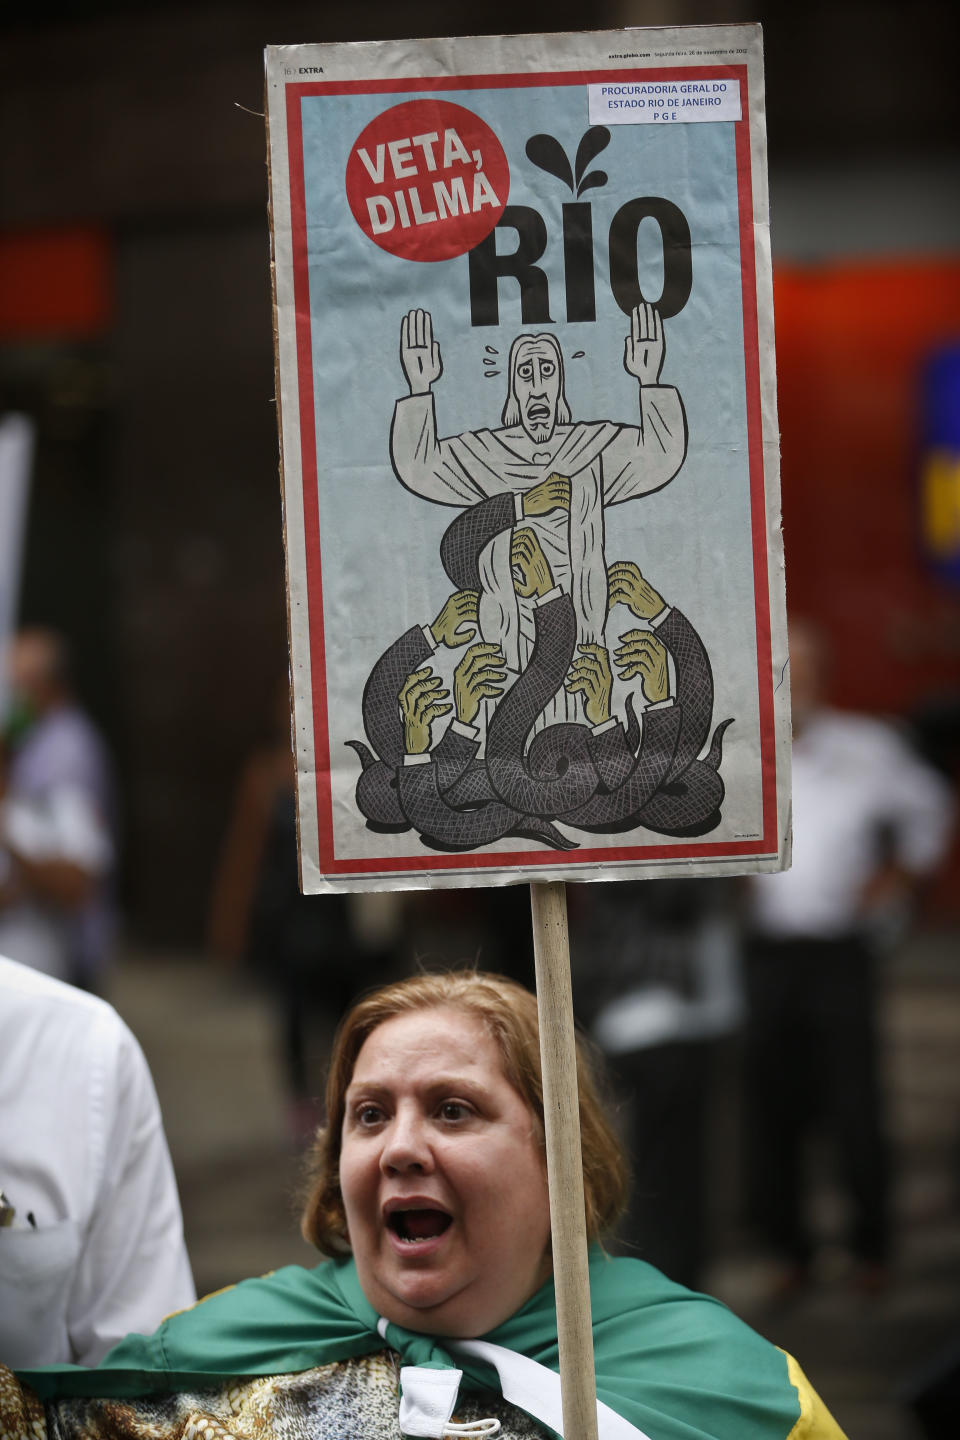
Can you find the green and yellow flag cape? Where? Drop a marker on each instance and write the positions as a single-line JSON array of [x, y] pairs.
[[674, 1364]]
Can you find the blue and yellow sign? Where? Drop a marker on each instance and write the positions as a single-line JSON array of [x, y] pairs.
[[940, 463]]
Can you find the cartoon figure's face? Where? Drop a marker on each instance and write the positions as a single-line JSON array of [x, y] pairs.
[[536, 384]]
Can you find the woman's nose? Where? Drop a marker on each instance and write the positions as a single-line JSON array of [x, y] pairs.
[[407, 1145]]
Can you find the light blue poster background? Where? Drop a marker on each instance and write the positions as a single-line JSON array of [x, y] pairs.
[[379, 543]]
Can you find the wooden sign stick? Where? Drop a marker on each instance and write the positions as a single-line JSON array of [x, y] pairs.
[[558, 1057]]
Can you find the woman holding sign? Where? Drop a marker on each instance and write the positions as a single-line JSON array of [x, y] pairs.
[[435, 1310]]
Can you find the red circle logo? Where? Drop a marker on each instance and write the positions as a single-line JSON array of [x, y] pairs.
[[427, 180]]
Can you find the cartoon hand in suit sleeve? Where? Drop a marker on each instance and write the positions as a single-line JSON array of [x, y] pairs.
[[551, 494], [641, 653], [591, 678], [628, 587], [479, 676], [531, 568], [457, 622], [421, 702]]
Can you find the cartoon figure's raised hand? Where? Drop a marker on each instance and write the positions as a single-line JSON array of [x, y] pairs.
[[551, 494], [531, 568], [457, 622], [419, 352], [421, 702], [628, 587], [591, 677], [643, 349], [479, 676], [642, 654]]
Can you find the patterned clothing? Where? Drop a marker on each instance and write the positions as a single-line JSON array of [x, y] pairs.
[[354, 1398]]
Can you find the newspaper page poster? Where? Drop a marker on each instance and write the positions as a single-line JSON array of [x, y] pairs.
[[529, 449]]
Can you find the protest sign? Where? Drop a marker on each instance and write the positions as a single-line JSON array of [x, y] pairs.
[[529, 447]]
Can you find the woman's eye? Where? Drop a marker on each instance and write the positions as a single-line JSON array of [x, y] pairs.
[[547, 367], [368, 1114], [525, 371], [453, 1110]]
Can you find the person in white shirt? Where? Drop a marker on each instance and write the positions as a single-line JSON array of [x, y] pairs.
[[91, 1234], [57, 830], [870, 821]]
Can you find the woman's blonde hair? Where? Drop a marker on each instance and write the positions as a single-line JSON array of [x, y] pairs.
[[510, 1014]]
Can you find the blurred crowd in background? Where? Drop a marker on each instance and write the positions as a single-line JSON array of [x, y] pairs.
[[147, 784]]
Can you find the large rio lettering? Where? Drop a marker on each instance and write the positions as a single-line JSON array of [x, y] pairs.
[[488, 266]]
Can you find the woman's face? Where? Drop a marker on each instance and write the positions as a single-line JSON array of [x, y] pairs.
[[443, 1179]]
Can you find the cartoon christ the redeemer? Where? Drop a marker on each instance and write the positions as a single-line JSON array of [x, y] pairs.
[[562, 473]]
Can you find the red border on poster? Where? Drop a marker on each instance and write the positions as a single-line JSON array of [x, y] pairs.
[[719, 850]]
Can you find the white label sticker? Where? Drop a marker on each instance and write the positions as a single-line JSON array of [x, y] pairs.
[[663, 102]]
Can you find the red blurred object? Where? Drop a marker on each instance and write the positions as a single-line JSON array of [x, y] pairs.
[[55, 284], [852, 343]]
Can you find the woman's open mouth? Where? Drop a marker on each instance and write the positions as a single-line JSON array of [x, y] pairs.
[[417, 1226]]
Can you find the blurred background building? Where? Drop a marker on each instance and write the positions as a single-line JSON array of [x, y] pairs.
[[135, 330]]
